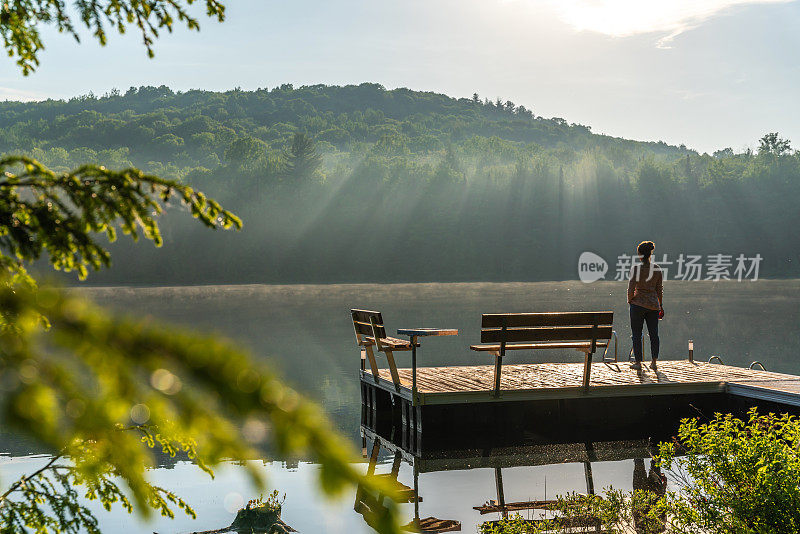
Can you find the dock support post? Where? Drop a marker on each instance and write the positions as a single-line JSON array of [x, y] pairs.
[[413, 370], [395, 399], [372, 405], [691, 351], [416, 493], [501, 499], [587, 471], [417, 428]]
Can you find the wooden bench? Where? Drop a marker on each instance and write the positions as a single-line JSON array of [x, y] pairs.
[[371, 334], [583, 331]]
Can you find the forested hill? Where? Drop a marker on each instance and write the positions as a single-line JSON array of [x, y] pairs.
[[182, 130], [359, 183]]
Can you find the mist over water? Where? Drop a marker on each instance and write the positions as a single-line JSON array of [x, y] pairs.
[[305, 331]]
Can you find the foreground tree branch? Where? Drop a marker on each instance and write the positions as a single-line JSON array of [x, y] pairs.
[[21, 20], [76, 385], [60, 214]]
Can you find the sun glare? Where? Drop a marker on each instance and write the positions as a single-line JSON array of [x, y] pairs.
[[623, 18]]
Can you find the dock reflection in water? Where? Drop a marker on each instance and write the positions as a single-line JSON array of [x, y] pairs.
[[456, 487]]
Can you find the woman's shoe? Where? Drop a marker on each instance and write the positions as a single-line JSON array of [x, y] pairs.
[[636, 366], [654, 366]]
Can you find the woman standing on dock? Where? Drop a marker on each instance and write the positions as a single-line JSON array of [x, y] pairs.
[[645, 294]]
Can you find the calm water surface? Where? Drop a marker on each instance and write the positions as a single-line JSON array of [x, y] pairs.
[[304, 330]]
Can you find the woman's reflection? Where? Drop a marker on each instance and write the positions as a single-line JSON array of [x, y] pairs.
[[648, 488]]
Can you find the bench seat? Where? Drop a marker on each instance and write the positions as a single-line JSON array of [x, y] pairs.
[[392, 343], [579, 345]]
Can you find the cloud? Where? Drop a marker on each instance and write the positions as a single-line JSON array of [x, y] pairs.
[[624, 18]]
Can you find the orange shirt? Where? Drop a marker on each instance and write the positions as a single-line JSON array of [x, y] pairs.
[[646, 286]]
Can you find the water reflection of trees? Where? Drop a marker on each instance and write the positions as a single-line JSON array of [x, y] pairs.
[[16, 446]]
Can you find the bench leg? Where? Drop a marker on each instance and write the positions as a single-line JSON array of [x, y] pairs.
[[373, 364], [393, 369], [498, 365], [587, 370]]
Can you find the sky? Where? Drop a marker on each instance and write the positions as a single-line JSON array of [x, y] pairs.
[[705, 73]]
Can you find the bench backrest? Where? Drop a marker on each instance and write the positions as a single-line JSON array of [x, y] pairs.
[[559, 326], [362, 323]]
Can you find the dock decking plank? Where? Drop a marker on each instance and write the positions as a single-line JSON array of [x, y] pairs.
[[472, 379]]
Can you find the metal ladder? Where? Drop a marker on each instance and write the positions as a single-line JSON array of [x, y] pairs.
[[606, 359]]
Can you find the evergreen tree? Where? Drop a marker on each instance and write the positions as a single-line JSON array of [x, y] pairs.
[[302, 160]]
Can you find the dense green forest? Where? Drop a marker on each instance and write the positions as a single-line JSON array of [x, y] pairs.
[[360, 183]]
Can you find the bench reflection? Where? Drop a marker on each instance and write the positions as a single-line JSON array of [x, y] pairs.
[[389, 447]]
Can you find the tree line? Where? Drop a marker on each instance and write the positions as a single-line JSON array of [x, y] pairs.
[[360, 183]]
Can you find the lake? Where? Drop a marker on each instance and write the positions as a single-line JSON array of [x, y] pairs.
[[305, 331]]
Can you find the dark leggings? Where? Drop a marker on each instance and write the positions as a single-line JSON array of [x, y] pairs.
[[639, 316]]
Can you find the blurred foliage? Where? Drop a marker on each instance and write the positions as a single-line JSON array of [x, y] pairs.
[[100, 391], [58, 214]]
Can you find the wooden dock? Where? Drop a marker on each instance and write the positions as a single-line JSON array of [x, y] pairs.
[[535, 381], [551, 398], [544, 414]]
